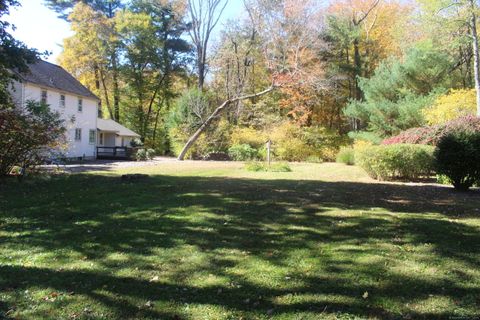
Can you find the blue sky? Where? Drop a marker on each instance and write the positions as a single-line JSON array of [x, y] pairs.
[[39, 27]]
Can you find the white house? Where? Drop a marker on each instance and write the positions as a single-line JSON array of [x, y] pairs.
[[78, 106]]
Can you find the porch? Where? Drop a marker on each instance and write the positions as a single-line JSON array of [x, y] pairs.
[[114, 141], [115, 153]]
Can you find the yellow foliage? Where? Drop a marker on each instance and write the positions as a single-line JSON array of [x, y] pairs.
[[449, 106], [251, 136], [359, 144]]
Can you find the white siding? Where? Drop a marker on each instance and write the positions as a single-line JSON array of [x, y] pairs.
[[85, 120], [16, 91]]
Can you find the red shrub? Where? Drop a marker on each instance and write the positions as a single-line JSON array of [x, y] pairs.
[[431, 134]]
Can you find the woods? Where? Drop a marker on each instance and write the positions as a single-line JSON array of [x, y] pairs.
[[356, 68]]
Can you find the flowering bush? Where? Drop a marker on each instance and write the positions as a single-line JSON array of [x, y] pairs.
[[431, 135]]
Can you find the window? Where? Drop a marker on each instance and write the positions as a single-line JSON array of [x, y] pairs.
[[43, 97], [99, 110], [101, 139], [91, 137], [80, 105], [62, 101], [78, 134]]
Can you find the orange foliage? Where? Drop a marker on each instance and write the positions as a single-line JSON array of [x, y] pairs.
[[381, 30]]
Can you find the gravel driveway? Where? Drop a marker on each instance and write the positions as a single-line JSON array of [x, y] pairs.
[[109, 165]]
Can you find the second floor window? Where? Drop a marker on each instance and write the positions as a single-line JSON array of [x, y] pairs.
[[80, 105], [43, 97], [62, 101]]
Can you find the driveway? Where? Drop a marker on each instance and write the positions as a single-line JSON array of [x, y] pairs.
[[109, 165]]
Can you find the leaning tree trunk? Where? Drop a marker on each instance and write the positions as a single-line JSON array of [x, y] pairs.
[[214, 114], [475, 55]]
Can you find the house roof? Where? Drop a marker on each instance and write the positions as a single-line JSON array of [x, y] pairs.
[[113, 126], [50, 75]]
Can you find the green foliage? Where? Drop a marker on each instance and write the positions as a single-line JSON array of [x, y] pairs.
[[458, 157], [29, 137], [263, 166], [141, 155], [346, 156], [368, 136], [242, 152], [398, 91], [14, 55], [397, 161], [150, 153], [145, 154], [190, 110]]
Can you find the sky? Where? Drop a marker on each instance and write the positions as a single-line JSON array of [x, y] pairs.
[[40, 28]]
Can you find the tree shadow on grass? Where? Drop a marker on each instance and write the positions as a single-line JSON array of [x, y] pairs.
[[270, 221]]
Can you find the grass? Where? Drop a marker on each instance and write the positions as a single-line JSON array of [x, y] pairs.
[[213, 241]]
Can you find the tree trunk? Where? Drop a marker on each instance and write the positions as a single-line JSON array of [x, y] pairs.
[[201, 69], [214, 114], [475, 55], [116, 91], [357, 68]]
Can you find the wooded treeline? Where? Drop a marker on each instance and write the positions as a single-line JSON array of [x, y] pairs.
[[369, 67]]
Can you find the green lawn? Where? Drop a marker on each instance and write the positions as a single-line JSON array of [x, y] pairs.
[[212, 241]]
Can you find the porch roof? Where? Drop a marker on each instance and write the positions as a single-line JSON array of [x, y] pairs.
[[109, 125]]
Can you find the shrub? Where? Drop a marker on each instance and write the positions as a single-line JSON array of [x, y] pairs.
[[150, 154], [314, 159], [432, 135], [346, 156], [29, 136], [242, 152], [141, 155], [458, 157], [456, 103], [246, 135], [294, 143], [263, 166], [398, 161]]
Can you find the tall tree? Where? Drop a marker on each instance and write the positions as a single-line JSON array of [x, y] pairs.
[[476, 55], [204, 16], [86, 53], [286, 40], [13, 53], [152, 51], [108, 8]]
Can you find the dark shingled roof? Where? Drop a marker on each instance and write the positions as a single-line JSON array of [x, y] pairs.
[[47, 74]]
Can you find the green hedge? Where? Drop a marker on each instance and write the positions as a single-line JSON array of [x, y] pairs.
[[458, 159], [397, 161]]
